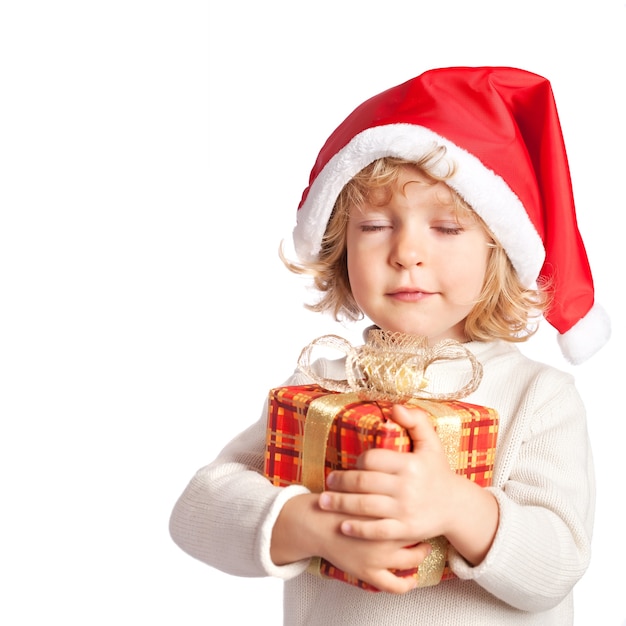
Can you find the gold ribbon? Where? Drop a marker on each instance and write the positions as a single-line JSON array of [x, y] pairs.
[[319, 419], [391, 366], [431, 570]]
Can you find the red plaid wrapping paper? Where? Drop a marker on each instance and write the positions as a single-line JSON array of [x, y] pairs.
[[468, 433]]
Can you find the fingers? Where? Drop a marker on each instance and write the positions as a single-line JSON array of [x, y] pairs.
[[417, 423], [402, 575], [375, 473], [412, 557], [362, 493], [358, 504], [390, 583], [372, 517], [409, 417], [374, 529]]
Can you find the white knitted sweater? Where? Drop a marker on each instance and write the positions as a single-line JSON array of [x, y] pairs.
[[543, 481]]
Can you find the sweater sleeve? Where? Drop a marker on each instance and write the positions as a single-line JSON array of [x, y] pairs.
[[545, 492], [226, 514]]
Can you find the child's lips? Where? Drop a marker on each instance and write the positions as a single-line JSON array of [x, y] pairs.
[[406, 294]]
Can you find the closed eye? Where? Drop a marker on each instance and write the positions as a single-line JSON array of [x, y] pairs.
[[370, 228], [449, 230]]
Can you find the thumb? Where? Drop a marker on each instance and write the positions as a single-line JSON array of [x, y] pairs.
[[417, 423]]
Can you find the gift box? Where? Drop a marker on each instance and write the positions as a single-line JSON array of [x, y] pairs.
[[312, 431], [316, 428]]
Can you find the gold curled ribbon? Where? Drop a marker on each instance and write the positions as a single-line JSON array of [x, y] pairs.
[[391, 366]]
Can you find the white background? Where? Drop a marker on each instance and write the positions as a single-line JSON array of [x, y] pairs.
[[152, 155]]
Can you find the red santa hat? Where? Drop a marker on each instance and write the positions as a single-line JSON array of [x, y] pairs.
[[501, 130]]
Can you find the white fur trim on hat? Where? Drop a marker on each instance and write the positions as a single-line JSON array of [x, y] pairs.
[[587, 336]]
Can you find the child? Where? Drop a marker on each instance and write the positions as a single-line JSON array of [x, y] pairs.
[[440, 208]]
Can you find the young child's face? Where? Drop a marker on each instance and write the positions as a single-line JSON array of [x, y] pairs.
[[415, 265]]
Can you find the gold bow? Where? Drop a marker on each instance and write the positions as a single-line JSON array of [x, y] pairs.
[[391, 366]]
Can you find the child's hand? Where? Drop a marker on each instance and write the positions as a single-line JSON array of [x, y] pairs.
[[303, 530], [408, 497], [397, 495], [372, 561]]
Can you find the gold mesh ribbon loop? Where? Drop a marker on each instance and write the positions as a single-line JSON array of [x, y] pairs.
[[391, 366]]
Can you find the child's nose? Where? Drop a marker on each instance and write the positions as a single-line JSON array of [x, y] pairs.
[[409, 248]]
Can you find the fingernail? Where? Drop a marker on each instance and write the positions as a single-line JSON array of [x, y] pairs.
[[330, 479], [324, 501]]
